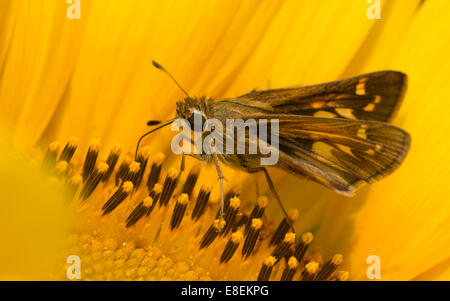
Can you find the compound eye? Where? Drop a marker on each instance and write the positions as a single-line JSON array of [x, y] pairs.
[[197, 117]]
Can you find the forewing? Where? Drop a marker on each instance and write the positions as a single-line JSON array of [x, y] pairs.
[[372, 96]]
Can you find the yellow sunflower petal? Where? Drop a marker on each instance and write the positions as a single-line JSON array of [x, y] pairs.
[[7, 18], [440, 272], [42, 49], [380, 46], [405, 221]]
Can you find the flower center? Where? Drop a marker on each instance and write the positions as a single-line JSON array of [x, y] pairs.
[[168, 228]]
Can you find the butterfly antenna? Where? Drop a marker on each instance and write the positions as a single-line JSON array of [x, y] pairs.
[[170, 75], [154, 122], [149, 132]]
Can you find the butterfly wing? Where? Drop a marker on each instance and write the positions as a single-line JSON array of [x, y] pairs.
[[372, 96], [334, 133], [337, 153]]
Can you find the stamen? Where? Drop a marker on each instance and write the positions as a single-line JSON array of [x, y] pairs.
[[330, 267], [49, 161], [247, 229], [230, 214], [136, 214], [123, 170], [141, 210], [226, 201], [282, 248], [133, 173], [118, 197], [283, 228], [341, 276], [231, 246], [170, 184], [289, 253], [252, 237], [155, 194], [290, 269], [142, 158], [202, 200], [302, 245], [191, 180], [257, 212], [93, 180], [266, 269], [310, 271], [179, 211], [68, 150], [240, 220], [155, 171], [91, 159], [112, 159], [212, 233]]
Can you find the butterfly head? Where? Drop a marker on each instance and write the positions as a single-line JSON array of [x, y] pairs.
[[192, 109]]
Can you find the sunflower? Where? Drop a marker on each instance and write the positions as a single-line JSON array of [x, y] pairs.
[[92, 78]]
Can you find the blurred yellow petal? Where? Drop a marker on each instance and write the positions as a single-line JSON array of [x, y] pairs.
[[440, 272], [7, 18], [304, 47], [33, 221], [381, 44], [41, 53], [406, 218]]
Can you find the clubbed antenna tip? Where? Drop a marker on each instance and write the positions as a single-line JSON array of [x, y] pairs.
[[170, 75], [157, 65]]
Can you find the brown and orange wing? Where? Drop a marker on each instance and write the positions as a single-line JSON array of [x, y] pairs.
[[373, 96]]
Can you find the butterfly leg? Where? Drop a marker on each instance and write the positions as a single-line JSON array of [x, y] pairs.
[[221, 177], [183, 159], [256, 186], [274, 192]]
